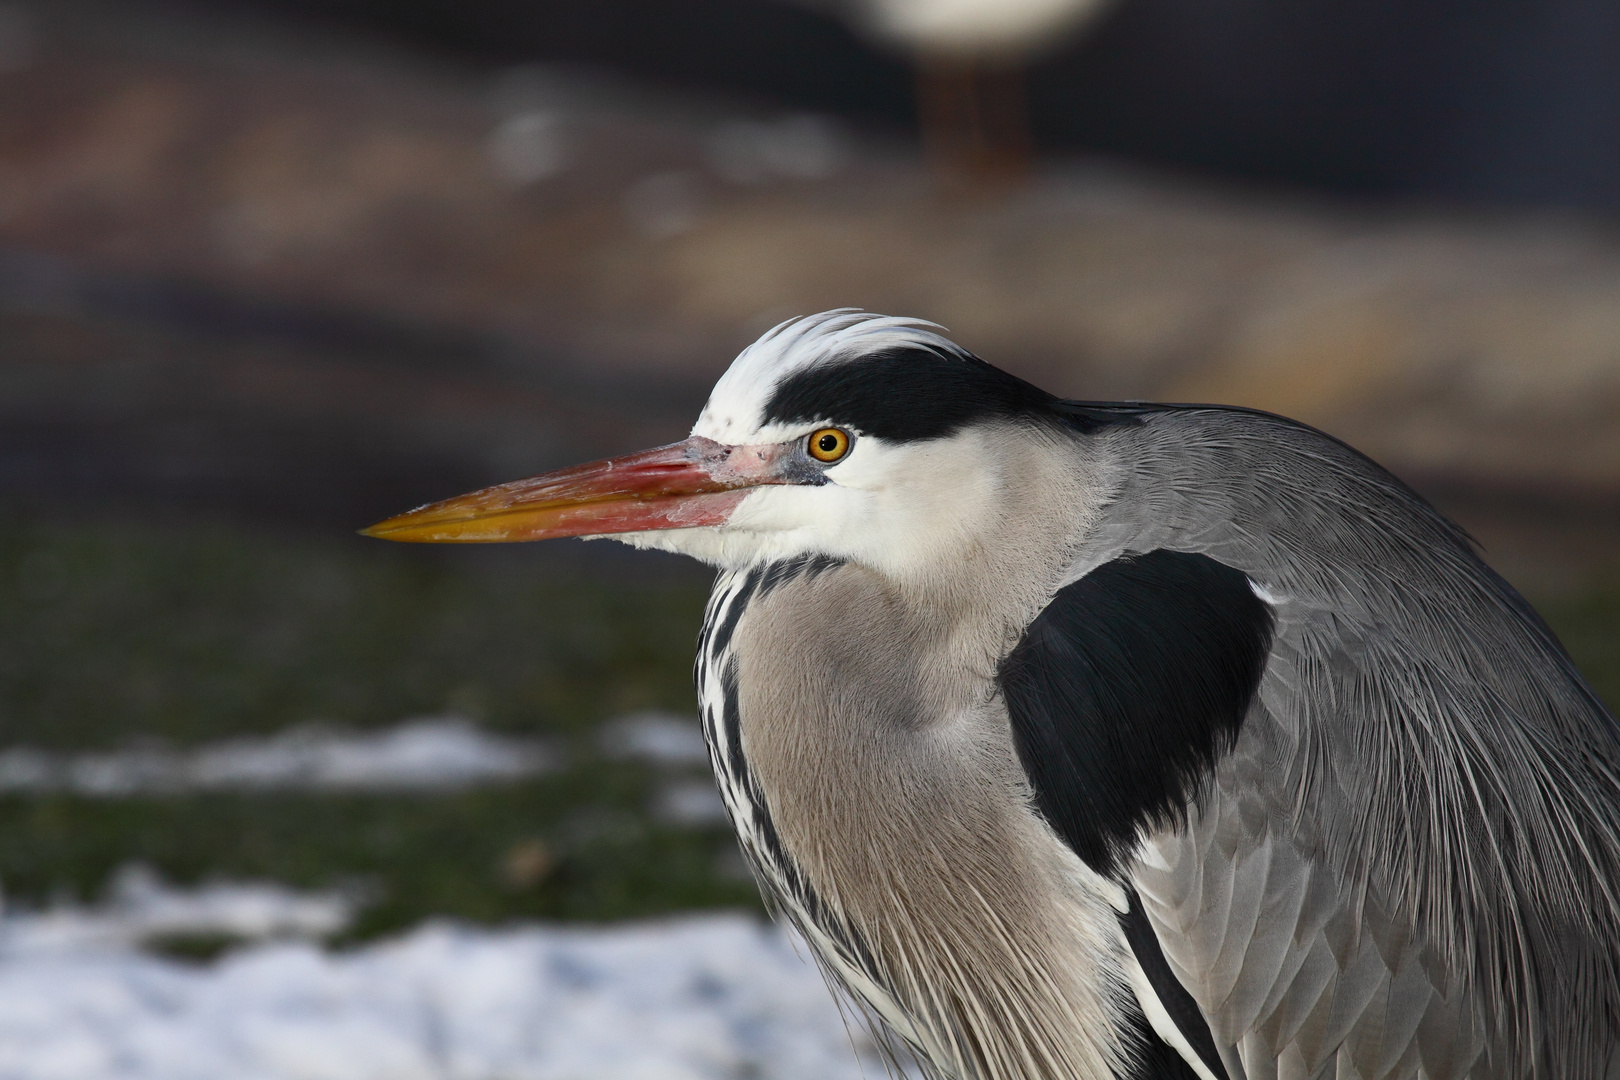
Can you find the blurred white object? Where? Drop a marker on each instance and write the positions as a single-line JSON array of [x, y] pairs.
[[527, 148], [435, 753], [975, 27], [971, 57], [706, 998], [801, 147], [659, 737]]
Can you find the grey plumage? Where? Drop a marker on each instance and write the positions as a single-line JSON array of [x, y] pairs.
[[1419, 741], [977, 682]]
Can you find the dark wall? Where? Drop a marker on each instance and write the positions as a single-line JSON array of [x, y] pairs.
[[774, 50], [1495, 101], [1510, 101]]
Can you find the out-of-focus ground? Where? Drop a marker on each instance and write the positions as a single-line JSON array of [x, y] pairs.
[[261, 284], [235, 258]]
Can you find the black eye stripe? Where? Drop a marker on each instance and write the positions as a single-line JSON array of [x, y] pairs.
[[904, 393]]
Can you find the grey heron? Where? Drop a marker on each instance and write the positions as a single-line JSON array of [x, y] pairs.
[[1089, 740]]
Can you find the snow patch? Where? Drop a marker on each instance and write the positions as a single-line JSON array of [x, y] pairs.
[[662, 738], [712, 997], [432, 753], [141, 906], [695, 804]]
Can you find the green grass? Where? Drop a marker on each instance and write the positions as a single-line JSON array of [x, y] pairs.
[[117, 633], [113, 633], [1589, 626], [410, 857]]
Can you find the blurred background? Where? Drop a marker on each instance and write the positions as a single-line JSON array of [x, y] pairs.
[[279, 801]]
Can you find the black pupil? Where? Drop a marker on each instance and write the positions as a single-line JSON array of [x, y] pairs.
[[827, 443]]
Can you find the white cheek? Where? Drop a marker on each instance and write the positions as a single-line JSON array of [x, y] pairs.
[[715, 546], [930, 493], [901, 508], [817, 515]]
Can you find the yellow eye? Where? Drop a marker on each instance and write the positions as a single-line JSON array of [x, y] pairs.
[[829, 444]]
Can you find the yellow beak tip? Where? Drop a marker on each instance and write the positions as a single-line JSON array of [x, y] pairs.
[[383, 530]]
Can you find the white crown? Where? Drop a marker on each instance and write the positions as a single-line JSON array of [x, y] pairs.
[[735, 412]]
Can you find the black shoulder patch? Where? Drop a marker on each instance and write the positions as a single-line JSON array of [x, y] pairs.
[[905, 393], [1126, 689], [1183, 1010]]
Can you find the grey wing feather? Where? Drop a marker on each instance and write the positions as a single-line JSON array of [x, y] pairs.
[[1410, 863], [1289, 983]]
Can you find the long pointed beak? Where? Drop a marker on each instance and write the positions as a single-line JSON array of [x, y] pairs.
[[686, 484]]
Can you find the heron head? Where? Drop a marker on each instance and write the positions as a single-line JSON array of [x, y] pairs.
[[844, 434]]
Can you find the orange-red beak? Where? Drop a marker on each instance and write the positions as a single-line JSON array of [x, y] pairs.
[[685, 484]]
